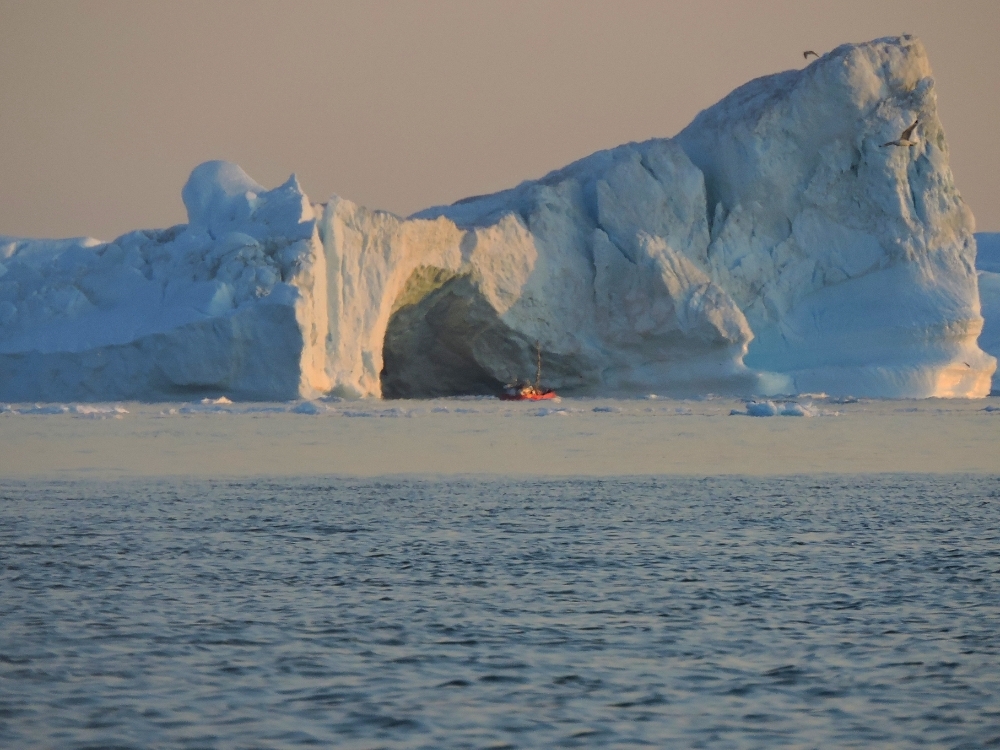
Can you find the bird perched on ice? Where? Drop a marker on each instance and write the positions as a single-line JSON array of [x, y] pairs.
[[809, 52], [904, 139]]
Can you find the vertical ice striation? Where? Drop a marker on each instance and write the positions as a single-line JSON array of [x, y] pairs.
[[988, 266]]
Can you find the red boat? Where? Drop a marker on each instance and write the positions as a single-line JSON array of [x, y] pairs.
[[526, 393], [529, 391]]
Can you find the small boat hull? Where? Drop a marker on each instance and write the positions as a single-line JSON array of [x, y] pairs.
[[528, 396]]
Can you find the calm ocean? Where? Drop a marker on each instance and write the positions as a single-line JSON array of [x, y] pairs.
[[824, 611]]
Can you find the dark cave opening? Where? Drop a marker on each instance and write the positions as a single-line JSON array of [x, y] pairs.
[[432, 340]]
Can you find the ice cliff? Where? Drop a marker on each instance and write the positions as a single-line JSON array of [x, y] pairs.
[[773, 246], [853, 261], [988, 263]]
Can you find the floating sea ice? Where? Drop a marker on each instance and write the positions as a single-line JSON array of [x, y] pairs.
[[759, 409], [91, 411], [393, 412], [208, 406], [609, 409], [772, 409], [308, 407], [792, 409], [46, 409]]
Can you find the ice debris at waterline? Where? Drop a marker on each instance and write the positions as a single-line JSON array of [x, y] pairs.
[[773, 246], [779, 409]]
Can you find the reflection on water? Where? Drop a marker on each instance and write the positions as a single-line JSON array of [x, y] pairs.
[[823, 611]]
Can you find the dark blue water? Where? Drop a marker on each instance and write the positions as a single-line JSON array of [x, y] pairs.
[[813, 612]]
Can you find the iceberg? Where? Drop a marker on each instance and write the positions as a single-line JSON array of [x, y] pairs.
[[774, 246], [232, 303], [853, 261]]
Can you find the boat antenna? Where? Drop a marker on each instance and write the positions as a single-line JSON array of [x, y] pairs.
[[538, 372]]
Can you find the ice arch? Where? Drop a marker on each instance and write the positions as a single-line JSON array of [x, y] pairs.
[[437, 335]]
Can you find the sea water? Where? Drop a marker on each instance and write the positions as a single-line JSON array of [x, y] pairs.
[[807, 611], [485, 436]]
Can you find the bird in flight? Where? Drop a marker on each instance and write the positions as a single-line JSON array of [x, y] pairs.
[[809, 52], [904, 139]]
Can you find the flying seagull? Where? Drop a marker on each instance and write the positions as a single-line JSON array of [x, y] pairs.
[[809, 52], [904, 139]]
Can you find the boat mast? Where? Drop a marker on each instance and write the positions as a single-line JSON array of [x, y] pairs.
[[538, 372]]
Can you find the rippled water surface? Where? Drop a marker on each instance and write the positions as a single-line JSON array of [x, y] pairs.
[[817, 612]]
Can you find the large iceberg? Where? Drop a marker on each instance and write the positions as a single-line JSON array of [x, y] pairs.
[[773, 246]]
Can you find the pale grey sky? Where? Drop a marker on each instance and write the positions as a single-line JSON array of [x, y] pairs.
[[107, 105]]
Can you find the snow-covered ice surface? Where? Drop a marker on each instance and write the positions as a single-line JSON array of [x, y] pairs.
[[484, 436], [774, 246]]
